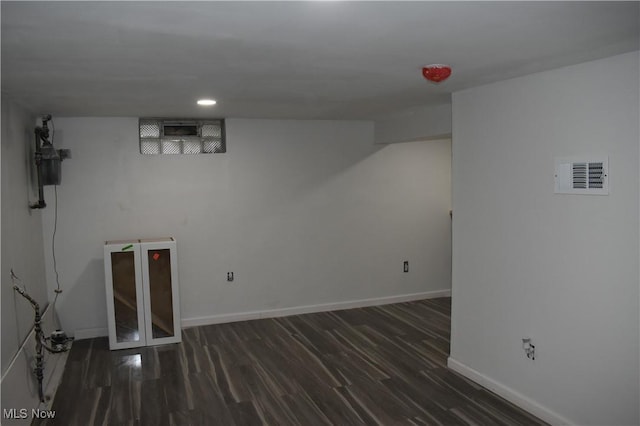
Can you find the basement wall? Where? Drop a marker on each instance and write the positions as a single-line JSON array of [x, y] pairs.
[[22, 252], [559, 269], [309, 215]]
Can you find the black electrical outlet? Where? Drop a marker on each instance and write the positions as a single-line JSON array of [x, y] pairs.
[[406, 266], [229, 276]]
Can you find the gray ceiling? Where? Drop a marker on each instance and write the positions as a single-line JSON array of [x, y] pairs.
[[316, 60]]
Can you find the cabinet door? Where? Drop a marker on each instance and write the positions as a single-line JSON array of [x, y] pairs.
[[161, 292], [125, 307]]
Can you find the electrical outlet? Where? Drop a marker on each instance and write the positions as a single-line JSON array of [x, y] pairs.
[[229, 276], [529, 349], [406, 266]]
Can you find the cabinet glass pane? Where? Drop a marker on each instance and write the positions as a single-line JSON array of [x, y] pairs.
[[160, 290], [124, 296]]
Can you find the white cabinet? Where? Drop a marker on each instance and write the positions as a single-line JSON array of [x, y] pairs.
[[143, 303]]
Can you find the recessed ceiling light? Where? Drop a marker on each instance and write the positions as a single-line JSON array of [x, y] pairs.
[[206, 102]]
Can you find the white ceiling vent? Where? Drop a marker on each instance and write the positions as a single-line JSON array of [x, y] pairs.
[[589, 176]]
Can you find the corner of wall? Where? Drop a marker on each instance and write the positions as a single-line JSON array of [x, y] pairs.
[[23, 253], [507, 393], [423, 123]]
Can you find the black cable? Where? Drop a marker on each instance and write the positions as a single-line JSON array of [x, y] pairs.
[[58, 290], [53, 237]]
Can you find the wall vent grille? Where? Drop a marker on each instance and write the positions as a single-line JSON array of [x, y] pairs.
[[582, 176]]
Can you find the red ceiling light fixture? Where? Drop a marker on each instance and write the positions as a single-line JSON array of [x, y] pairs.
[[436, 73]]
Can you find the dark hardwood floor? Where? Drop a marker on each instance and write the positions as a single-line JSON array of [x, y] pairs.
[[380, 365]]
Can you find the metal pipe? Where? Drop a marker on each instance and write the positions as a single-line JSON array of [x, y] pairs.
[[40, 204], [40, 339], [37, 329]]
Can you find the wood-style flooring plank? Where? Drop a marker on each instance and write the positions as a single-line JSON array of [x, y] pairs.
[[383, 365]]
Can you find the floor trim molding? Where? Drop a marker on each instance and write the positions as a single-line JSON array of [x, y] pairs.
[[89, 333], [307, 309], [507, 393]]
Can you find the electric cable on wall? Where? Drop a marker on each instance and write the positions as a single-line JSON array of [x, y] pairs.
[[57, 290]]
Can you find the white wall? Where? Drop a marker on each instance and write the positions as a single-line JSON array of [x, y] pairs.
[[304, 213], [429, 122], [561, 269], [22, 251]]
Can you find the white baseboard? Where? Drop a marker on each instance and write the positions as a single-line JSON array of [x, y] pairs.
[[90, 333], [509, 394], [57, 369], [307, 309]]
